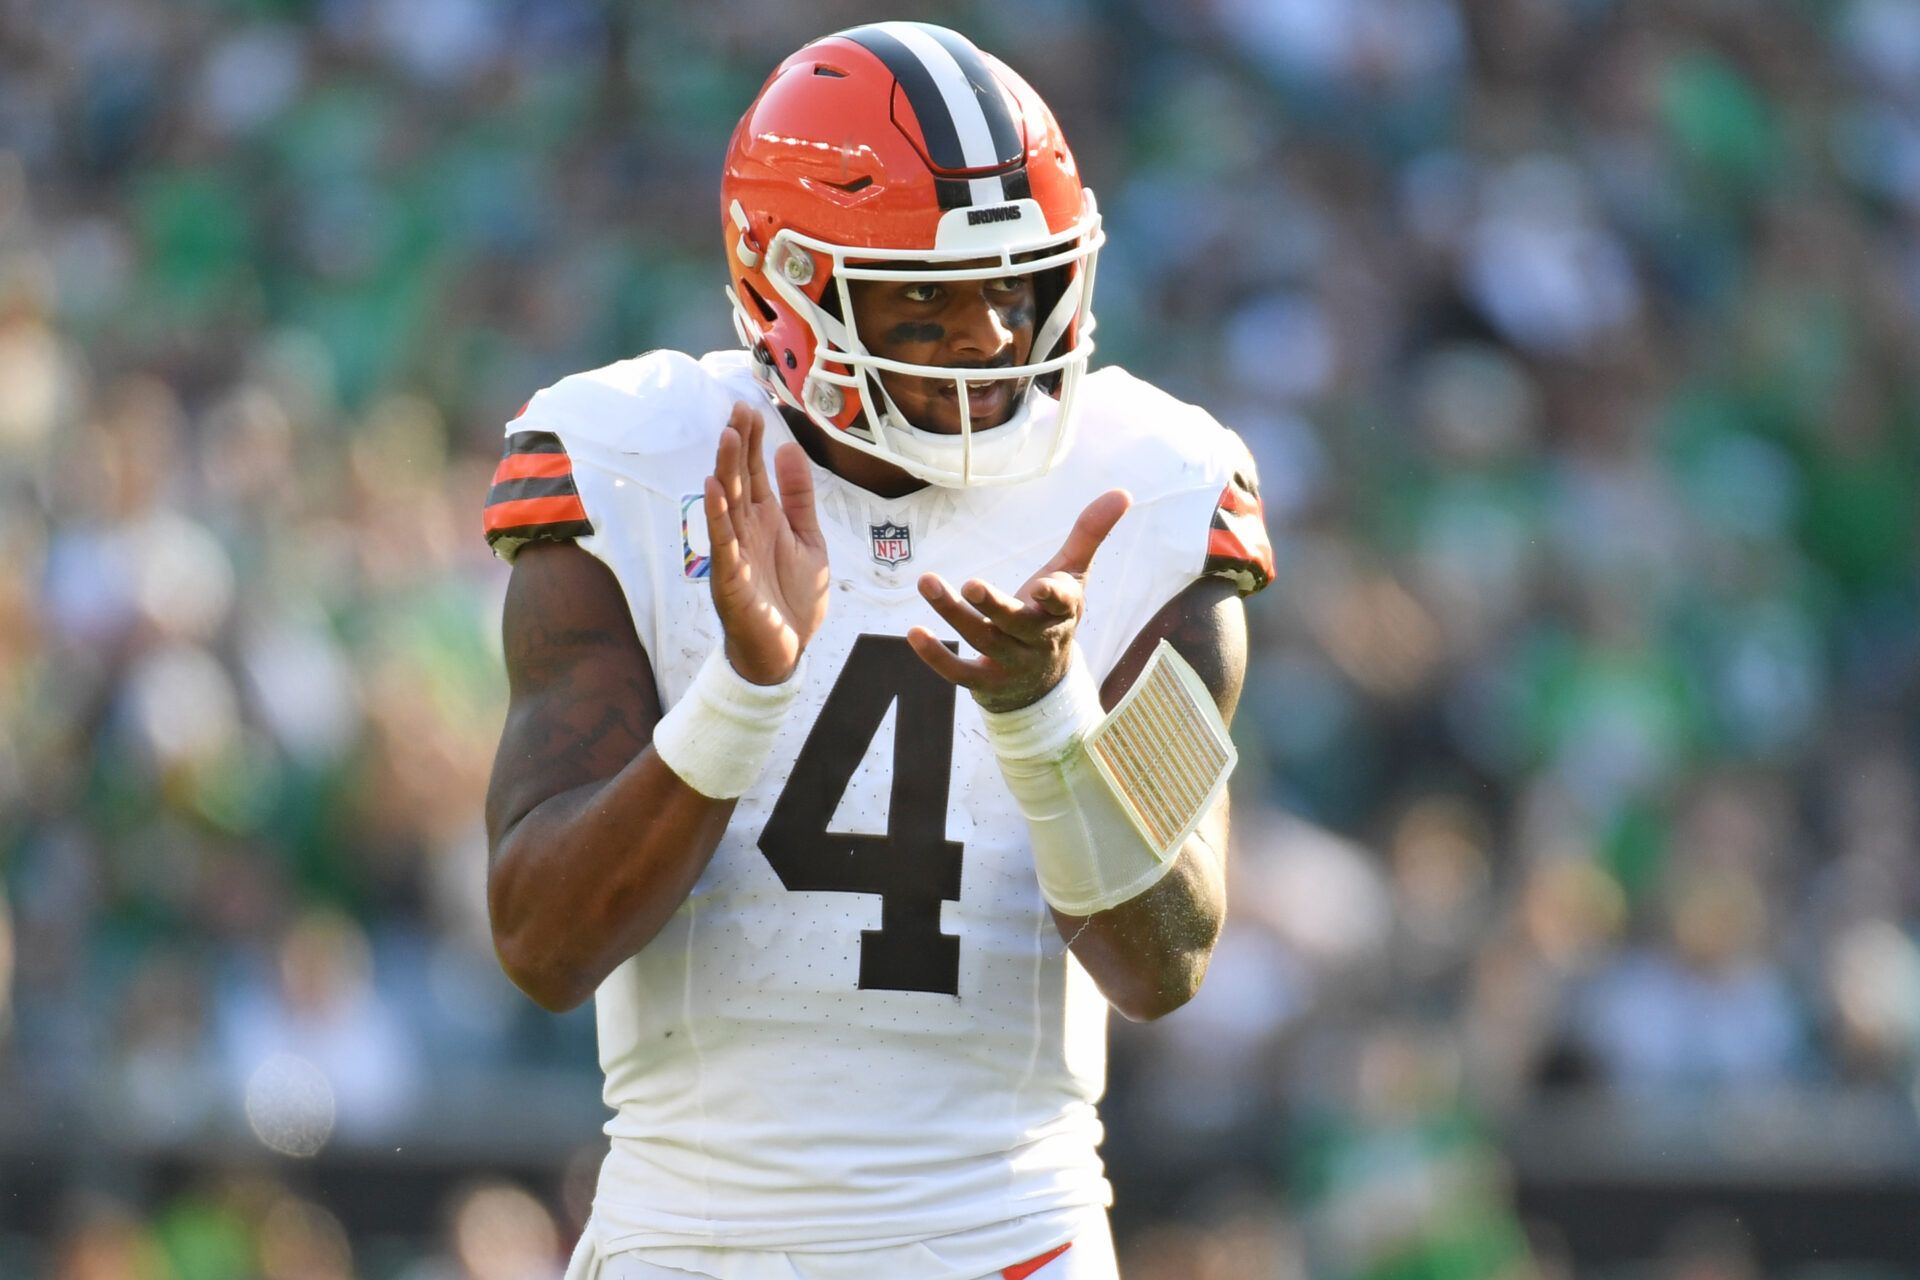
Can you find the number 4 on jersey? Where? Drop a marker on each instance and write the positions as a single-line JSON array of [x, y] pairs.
[[913, 867]]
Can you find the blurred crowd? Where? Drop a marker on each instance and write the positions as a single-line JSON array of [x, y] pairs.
[[1579, 345], [251, 1226]]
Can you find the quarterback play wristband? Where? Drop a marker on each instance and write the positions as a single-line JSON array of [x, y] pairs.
[[719, 735], [1111, 798]]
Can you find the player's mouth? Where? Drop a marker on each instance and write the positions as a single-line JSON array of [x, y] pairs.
[[986, 401]]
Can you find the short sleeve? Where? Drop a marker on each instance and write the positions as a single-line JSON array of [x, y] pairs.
[[533, 497], [1237, 545]]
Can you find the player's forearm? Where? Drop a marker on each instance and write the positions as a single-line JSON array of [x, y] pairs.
[[588, 877], [1148, 955]]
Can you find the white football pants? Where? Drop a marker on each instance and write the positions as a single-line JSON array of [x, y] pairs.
[[1090, 1258]]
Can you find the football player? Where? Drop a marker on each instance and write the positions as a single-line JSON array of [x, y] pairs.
[[852, 932]]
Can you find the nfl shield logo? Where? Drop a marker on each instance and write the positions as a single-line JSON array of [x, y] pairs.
[[891, 543]]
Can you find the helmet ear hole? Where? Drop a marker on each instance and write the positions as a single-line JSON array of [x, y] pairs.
[[760, 304]]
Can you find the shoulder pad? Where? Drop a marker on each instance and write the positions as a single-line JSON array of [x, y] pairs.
[[651, 421], [1181, 463], [654, 406], [1147, 441]]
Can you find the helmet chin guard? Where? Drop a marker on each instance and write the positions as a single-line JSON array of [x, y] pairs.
[[899, 152], [843, 370]]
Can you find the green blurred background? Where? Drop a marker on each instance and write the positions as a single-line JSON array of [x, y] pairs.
[[1575, 889]]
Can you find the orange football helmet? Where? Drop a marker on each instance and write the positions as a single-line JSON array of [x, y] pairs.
[[883, 153]]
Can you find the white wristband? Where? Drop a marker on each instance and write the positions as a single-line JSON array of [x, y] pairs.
[[1111, 799], [719, 736], [1087, 856], [1048, 728]]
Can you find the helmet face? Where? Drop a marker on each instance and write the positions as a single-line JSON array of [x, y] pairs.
[[899, 151]]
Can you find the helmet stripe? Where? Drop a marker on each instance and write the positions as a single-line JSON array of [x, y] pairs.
[[923, 95], [986, 90], [963, 117], [954, 193]]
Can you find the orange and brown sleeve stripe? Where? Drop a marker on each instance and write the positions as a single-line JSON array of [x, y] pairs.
[[533, 497], [1237, 545]]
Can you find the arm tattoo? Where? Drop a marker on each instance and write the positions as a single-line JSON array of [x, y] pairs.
[[1214, 645], [577, 637], [1206, 624], [569, 755], [582, 699], [538, 652]]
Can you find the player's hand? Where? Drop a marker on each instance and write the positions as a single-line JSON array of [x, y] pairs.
[[769, 565], [1025, 640]]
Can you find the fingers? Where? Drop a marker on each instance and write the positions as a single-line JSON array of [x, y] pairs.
[[975, 629], [1017, 618], [726, 503], [1058, 595], [1000, 608], [1089, 531], [946, 664], [724, 546], [796, 493], [752, 428], [728, 465]]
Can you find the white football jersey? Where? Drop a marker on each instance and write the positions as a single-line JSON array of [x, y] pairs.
[[862, 1026]]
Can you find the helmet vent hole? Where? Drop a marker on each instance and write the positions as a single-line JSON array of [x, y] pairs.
[[767, 313], [822, 69], [860, 183]]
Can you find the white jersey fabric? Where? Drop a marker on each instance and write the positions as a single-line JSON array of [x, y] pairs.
[[836, 1068]]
